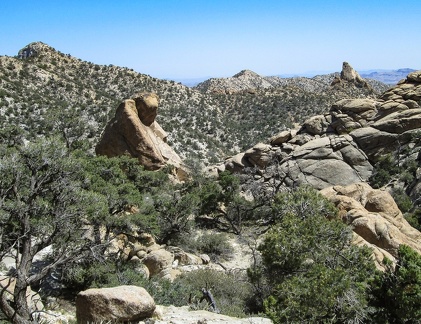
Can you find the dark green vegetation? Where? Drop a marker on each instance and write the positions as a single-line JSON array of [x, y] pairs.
[[388, 170], [308, 269]]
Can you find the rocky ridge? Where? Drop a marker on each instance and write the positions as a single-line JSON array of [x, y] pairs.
[[41, 83], [250, 81]]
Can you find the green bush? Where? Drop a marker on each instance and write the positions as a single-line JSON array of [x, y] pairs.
[[402, 199], [384, 170], [216, 245], [414, 218], [397, 291], [314, 272]]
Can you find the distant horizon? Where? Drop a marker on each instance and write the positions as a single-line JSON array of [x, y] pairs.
[[192, 39], [308, 74]]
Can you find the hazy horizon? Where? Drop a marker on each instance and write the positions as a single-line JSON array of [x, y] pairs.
[[187, 39]]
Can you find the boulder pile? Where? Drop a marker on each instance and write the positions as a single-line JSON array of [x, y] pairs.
[[340, 147]]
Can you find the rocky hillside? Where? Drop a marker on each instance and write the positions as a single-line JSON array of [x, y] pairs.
[[41, 83], [341, 151]]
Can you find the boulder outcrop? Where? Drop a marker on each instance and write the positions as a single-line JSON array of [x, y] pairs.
[[152, 259], [336, 153], [117, 304], [374, 215], [341, 147], [134, 132]]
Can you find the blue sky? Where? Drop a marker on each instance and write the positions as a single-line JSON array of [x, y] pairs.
[[195, 38]]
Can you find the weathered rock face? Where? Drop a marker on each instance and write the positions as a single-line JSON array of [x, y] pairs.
[[158, 261], [120, 304], [374, 215], [134, 132]]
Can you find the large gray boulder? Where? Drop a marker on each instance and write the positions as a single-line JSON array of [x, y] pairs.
[[117, 304]]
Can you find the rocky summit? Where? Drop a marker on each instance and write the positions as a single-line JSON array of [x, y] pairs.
[[349, 75]]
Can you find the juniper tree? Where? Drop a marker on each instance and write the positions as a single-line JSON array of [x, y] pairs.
[[42, 204]]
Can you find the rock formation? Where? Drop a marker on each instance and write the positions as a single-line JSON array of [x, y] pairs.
[[152, 259], [119, 304], [338, 150], [350, 76], [375, 217], [341, 147], [134, 132]]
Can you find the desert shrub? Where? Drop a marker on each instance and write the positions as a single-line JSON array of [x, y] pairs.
[[230, 290], [402, 199], [313, 272], [414, 218], [216, 245], [397, 291], [384, 170], [100, 274]]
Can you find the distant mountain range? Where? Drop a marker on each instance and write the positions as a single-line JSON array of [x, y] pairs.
[[389, 77]]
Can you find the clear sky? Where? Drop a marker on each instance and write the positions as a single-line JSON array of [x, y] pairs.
[[201, 38]]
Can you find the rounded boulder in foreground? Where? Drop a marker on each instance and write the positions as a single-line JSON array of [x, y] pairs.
[[123, 303]]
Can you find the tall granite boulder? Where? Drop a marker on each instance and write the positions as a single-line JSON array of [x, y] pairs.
[[350, 76], [134, 132]]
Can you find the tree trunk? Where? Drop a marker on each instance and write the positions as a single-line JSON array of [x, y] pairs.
[[23, 271]]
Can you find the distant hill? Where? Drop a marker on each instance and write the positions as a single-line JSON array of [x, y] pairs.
[[390, 77], [247, 80]]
